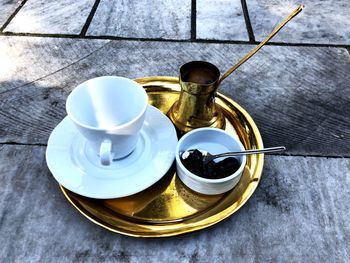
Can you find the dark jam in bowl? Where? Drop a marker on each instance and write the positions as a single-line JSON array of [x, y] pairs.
[[212, 170]]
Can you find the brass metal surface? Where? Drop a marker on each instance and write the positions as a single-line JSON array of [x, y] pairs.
[[262, 43], [169, 208], [199, 81], [196, 105]]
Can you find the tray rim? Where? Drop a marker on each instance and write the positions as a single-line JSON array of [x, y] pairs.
[[207, 222]]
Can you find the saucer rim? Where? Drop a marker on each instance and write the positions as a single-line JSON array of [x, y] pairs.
[[170, 161]]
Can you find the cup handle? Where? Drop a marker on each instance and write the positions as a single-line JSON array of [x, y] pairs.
[[105, 152]]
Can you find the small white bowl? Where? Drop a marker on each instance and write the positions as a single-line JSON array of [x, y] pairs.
[[214, 141]]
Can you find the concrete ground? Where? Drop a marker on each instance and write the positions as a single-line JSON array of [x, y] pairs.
[[297, 90]]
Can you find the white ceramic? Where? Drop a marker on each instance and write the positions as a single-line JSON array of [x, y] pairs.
[[75, 165], [214, 141], [109, 112]]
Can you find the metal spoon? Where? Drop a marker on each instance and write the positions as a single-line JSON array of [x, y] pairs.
[[207, 157]]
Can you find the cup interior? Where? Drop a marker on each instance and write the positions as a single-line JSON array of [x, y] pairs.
[[106, 102]]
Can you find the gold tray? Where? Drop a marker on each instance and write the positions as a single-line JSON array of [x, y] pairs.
[[169, 208]]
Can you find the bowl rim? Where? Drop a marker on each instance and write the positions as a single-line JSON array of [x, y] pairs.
[[205, 180]]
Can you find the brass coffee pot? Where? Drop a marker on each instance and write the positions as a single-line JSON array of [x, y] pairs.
[[196, 105], [199, 81]]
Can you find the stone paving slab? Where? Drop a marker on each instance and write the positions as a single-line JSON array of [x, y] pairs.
[[27, 59], [299, 213], [7, 8], [298, 96], [221, 20], [165, 19], [321, 22], [48, 17]]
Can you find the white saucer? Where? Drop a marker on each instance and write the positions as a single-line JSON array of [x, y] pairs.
[[74, 166]]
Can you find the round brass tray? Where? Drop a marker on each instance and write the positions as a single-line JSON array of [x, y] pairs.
[[169, 208]]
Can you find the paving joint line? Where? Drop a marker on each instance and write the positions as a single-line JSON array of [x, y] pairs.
[[193, 20], [24, 144], [247, 21], [201, 41], [12, 15], [311, 155], [89, 18]]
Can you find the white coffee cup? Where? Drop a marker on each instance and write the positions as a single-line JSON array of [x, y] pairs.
[[109, 112]]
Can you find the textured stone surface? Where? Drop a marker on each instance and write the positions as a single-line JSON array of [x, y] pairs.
[[221, 19], [58, 17], [300, 211], [298, 96], [27, 59], [143, 19], [7, 8], [321, 22]]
